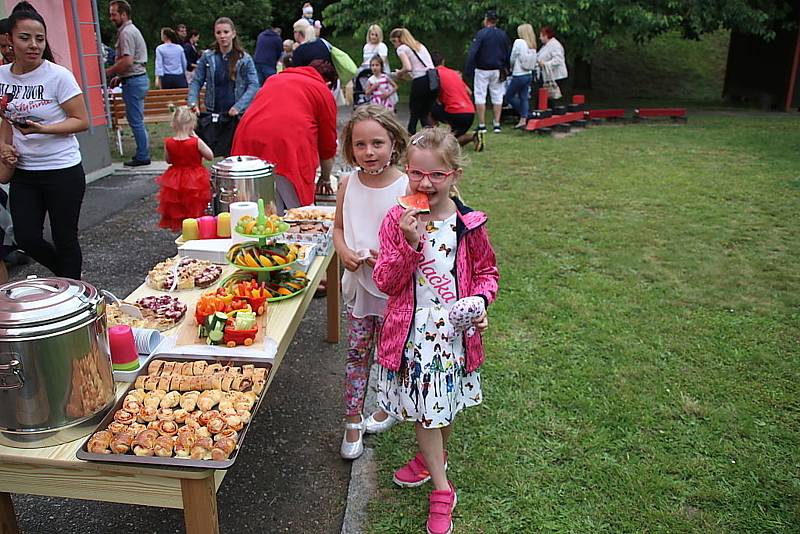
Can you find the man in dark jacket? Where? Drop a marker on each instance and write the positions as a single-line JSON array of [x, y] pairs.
[[269, 48], [488, 58]]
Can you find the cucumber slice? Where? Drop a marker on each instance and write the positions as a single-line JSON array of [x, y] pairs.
[[215, 336]]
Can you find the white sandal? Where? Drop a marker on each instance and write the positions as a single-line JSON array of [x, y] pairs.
[[373, 426], [352, 450]]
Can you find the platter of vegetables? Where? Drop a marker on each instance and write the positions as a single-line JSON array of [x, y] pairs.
[[253, 256], [238, 328], [281, 285]]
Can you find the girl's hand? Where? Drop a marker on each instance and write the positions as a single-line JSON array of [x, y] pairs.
[[350, 260], [8, 155], [30, 127], [481, 323], [372, 259], [408, 224], [233, 112]]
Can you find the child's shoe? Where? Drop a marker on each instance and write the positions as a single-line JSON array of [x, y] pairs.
[[415, 472], [353, 449], [373, 426], [440, 511]]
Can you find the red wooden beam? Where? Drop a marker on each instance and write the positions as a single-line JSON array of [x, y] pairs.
[[534, 124], [605, 114], [659, 112]]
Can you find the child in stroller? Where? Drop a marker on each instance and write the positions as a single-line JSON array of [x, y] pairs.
[[360, 83]]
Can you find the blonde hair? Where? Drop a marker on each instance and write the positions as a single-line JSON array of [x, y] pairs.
[[183, 120], [406, 38], [377, 29], [387, 120], [307, 30], [526, 33], [441, 141]]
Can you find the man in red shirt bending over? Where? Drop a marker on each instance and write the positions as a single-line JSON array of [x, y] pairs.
[[454, 106]]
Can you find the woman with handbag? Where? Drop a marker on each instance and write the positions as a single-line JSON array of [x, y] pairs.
[[551, 61], [229, 75], [417, 65]]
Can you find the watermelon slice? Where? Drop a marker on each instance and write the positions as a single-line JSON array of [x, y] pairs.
[[417, 201]]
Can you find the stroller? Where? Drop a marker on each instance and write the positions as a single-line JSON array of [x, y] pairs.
[[359, 86]]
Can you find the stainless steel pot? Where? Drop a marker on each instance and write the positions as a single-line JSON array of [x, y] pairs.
[[56, 379], [241, 179]]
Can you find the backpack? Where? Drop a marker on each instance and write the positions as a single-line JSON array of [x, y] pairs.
[[527, 59]]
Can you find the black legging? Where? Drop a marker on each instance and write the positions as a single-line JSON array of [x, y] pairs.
[[174, 81], [419, 103], [58, 193]]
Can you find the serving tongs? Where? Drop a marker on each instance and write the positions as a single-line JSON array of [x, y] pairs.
[[124, 307]]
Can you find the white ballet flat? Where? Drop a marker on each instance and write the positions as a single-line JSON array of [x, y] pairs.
[[372, 426], [352, 450]]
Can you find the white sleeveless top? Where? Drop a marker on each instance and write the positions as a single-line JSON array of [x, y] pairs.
[[363, 211]]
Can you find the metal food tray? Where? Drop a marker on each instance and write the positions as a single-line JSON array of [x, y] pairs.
[[128, 458]]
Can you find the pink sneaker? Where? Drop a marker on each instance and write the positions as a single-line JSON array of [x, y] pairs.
[[440, 513], [415, 472]]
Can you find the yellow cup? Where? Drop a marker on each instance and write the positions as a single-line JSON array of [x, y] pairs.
[[224, 224], [190, 229]]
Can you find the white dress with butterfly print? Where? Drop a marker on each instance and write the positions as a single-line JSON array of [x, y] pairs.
[[432, 384]]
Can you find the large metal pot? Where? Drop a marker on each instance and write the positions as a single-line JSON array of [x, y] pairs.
[[241, 179], [56, 380]]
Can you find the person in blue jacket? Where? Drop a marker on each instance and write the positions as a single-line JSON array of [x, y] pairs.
[[488, 63], [269, 48]]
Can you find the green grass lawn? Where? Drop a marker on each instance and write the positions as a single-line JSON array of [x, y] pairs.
[[641, 371]]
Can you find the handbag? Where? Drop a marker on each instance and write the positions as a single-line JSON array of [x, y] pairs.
[[217, 130], [553, 90], [433, 75], [343, 63]]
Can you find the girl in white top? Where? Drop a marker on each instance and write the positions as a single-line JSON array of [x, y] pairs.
[[416, 61], [43, 108], [523, 61], [373, 141], [375, 47]]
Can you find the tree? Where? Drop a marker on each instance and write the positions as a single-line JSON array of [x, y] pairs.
[[582, 25]]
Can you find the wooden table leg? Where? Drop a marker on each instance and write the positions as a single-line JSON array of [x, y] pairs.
[[8, 519], [333, 299], [200, 505]]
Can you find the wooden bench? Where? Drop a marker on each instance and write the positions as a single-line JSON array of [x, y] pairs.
[[156, 108]]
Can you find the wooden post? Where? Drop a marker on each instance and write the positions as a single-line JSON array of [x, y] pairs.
[[333, 298], [8, 519], [200, 505]]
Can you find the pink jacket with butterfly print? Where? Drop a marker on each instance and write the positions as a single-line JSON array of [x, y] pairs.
[[475, 274]]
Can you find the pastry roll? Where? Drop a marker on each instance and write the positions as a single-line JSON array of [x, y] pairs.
[[222, 449], [216, 382], [188, 401], [122, 442], [236, 385], [225, 404], [197, 382], [170, 400], [227, 433], [175, 383], [116, 427], [99, 442], [153, 425], [139, 382], [160, 393], [259, 373], [179, 415], [216, 394], [233, 421], [137, 427], [205, 417], [165, 414], [187, 369], [235, 370], [126, 418], [139, 393], [164, 382], [151, 401], [226, 383], [147, 414], [168, 368], [131, 405], [216, 424], [164, 446], [167, 428], [247, 371], [244, 415], [258, 386], [155, 367], [186, 383], [202, 449], [199, 367], [205, 401], [245, 384], [146, 438], [151, 383], [202, 432], [138, 450]]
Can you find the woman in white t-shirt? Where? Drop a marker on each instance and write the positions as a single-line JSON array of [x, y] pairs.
[[43, 108], [416, 61]]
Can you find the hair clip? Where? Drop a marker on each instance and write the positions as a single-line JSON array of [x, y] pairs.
[[417, 139]]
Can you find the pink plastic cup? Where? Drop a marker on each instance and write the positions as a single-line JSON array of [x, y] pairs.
[[208, 227], [122, 345]]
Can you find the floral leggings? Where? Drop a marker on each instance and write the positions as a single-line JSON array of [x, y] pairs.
[[362, 340]]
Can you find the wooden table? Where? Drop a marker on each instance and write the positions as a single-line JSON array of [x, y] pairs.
[[55, 471]]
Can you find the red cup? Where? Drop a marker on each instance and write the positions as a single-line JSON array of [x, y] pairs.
[[208, 227], [123, 347]]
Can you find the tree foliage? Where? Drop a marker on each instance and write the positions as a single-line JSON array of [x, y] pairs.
[[581, 24]]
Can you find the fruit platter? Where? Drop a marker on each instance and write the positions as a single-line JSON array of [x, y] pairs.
[[262, 226], [281, 285], [257, 256]]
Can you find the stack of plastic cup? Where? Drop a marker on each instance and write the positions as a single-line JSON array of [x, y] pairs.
[[124, 356]]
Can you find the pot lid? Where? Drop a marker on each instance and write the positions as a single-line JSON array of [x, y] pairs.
[[242, 165], [38, 301]]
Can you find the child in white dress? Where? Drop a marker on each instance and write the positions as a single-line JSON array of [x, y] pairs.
[[373, 141], [427, 262]]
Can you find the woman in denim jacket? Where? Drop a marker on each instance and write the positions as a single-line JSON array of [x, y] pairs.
[[228, 73]]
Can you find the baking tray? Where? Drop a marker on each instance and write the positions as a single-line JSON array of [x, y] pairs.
[[84, 454]]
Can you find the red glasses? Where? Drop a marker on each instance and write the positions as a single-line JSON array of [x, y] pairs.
[[435, 177]]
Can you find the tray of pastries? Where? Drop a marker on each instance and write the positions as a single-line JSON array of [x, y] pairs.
[[182, 411], [191, 273], [158, 312]]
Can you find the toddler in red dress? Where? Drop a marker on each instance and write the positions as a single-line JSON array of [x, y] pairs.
[[185, 186]]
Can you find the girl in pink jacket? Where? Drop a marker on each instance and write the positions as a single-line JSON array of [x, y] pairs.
[[427, 263]]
